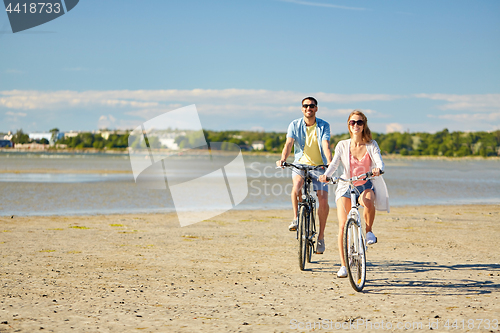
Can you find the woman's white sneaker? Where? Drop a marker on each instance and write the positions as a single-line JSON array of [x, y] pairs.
[[293, 226], [370, 238], [342, 273]]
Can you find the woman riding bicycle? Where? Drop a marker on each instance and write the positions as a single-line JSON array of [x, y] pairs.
[[359, 154]]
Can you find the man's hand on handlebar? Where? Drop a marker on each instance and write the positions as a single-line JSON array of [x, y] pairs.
[[280, 163], [322, 179]]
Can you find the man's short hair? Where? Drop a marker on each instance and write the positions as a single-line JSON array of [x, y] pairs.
[[312, 99]]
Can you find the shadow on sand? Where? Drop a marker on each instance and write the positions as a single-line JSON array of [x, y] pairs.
[[410, 277]]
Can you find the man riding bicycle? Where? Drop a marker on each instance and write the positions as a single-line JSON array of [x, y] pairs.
[[310, 137]]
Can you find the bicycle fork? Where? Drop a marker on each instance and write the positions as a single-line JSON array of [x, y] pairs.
[[354, 214]]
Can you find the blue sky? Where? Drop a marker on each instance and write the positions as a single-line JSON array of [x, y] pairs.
[[246, 64]]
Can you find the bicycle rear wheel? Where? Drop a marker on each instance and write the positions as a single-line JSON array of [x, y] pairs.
[[302, 218], [354, 255]]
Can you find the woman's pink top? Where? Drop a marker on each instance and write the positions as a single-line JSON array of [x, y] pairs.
[[360, 167]]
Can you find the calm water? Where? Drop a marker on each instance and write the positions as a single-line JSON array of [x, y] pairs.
[[57, 184]]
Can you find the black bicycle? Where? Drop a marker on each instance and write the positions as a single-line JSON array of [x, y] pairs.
[[306, 217]]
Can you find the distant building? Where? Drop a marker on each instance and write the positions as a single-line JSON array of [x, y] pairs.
[[169, 143], [258, 145], [40, 136], [105, 134], [46, 135], [6, 144], [8, 136], [71, 134]]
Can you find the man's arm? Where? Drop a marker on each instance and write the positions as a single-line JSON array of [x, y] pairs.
[[287, 149], [326, 150]]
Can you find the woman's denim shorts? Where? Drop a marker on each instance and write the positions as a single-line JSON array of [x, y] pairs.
[[361, 188]]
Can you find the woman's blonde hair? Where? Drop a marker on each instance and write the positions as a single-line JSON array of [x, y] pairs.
[[366, 135]]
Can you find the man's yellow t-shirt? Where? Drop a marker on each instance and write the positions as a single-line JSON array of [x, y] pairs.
[[312, 155]]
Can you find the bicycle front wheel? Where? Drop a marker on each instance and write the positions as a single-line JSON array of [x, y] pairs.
[[354, 255], [303, 242], [310, 236]]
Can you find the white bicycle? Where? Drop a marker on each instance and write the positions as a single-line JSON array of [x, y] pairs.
[[354, 241]]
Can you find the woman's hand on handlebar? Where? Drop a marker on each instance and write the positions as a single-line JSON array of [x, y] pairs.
[[376, 172], [280, 163], [322, 179]]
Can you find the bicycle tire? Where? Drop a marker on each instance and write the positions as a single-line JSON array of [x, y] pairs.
[[310, 242], [302, 218], [354, 255]]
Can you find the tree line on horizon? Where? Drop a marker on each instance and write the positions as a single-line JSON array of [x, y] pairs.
[[443, 143]]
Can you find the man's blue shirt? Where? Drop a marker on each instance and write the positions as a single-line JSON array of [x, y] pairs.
[[297, 131]]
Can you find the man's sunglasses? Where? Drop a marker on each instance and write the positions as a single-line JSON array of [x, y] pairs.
[[305, 106], [359, 122]]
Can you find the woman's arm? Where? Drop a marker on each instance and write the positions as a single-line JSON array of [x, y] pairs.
[[377, 159], [335, 161]]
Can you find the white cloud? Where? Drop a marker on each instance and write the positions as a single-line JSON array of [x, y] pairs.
[[346, 112], [30, 100], [485, 121], [468, 117], [16, 114], [316, 4], [474, 103], [355, 98], [106, 122], [14, 71], [240, 108], [394, 127], [149, 113]]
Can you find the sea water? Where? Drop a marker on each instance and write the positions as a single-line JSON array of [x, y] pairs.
[[69, 183]]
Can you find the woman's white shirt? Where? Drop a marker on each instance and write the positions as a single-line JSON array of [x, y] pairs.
[[342, 152]]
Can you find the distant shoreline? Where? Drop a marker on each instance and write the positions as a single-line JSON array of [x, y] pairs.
[[70, 151]]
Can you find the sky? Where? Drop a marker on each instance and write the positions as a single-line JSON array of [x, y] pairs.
[[417, 66]]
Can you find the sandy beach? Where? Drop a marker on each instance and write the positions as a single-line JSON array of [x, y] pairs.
[[239, 272]]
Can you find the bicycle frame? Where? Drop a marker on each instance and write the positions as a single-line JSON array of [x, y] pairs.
[[354, 214], [309, 202]]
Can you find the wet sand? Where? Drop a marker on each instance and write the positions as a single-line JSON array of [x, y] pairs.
[[239, 272]]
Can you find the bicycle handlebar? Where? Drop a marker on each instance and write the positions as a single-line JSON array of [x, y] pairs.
[[364, 176], [303, 166]]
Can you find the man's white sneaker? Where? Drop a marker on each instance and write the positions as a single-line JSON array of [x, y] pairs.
[[320, 248], [293, 226], [342, 273], [370, 238]]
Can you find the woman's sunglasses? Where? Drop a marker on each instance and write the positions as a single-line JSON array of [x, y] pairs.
[[358, 122]]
